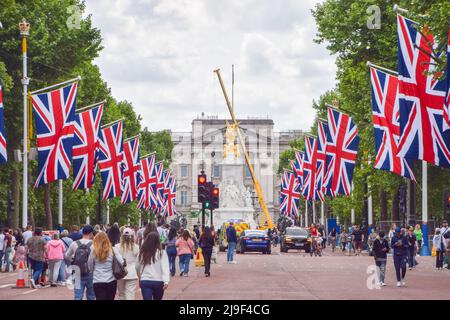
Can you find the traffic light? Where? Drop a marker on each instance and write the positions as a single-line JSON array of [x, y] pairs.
[[447, 202], [209, 187], [214, 197], [202, 188]]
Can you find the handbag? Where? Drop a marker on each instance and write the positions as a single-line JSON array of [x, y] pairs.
[[119, 270]]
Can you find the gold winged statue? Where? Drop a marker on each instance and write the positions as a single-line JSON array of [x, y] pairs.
[[230, 136]]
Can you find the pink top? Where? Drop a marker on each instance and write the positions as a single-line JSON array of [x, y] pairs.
[[21, 253], [55, 250], [184, 247]]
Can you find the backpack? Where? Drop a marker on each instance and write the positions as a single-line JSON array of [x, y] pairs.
[[81, 257]]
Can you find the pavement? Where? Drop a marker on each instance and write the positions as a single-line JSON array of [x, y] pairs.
[[280, 276]]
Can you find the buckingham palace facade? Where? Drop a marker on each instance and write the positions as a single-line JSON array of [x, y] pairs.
[[202, 149]]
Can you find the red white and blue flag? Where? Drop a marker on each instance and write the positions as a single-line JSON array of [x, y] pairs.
[[447, 95], [131, 168], [297, 166], [146, 196], [385, 112], [289, 195], [85, 147], [342, 149], [322, 132], [158, 187], [54, 114], [3, 153], [170, 193], [110, 160], [421, 98], [309, 169]]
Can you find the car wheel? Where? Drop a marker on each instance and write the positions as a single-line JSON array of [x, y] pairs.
[[269, 252], [242, 251]]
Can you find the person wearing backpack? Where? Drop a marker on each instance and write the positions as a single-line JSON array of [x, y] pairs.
[[64, 265], [380, 250], [100, 262], [78, 255]]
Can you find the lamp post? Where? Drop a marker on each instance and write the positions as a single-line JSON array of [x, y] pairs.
[[24, 27]]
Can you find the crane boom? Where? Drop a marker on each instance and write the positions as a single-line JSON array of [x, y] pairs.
[[256, 184]]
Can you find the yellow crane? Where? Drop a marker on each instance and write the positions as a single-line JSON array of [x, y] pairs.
[[256, 184]]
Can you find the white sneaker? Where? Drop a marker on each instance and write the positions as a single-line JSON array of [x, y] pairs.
[[383, 284], [233, 262], [403, 283], [399, 284], [32, 284]]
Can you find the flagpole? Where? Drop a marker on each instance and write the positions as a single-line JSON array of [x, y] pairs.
[[369, 202], [107, 211], [425, 248], [314, 212], [24, 32], [60, 202], [88, 219], [91, 106], [56, 85], [112, 123], [370, 64], [353, 209], [306, 213], [322, 213]]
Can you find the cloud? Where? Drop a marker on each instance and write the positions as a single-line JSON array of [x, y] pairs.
[[160, 55]]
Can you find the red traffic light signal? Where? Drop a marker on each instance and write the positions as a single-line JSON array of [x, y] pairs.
[[201, 179], [202, 194], [215, 192]]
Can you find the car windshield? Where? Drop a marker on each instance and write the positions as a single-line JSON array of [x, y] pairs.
[[296, 232], [255, 234]]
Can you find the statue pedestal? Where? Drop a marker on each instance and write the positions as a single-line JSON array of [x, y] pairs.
[[222, 215]]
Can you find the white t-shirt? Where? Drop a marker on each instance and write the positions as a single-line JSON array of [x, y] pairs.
[[2, 240], [27, 235]]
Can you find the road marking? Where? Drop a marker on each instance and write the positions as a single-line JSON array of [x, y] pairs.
[[7, 285], [29, 291]]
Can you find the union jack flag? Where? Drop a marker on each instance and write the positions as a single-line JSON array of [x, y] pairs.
[[386, 124], [297, 166], [421, 98], [309, 169], [158, 187], [447, 96], [54, 114], [85, 147], [289, 195], [110, 160], [131, 168], [3, 153], [146, 196], [322, 131], [342, 149], [170, 193]]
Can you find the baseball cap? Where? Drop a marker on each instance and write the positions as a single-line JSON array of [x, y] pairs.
[[128, 232], [398, 229], [87, 229]]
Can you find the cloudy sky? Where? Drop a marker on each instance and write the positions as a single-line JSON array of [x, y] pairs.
[[160, 55]]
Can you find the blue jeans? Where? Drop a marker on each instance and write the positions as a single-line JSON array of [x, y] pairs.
[[230, 252], [172, 254], [62, 272], [185, 259], [7, 259], [37, 267], [1, 259], [400, 266], [152, 290], [85, 282], [381, 264]]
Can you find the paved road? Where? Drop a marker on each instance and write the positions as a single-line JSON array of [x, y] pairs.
[[290, 275]]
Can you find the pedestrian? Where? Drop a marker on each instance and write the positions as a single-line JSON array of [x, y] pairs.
[[419, 236], [54, 255], [399, 243], [197, 231], [65, 268], [343, 239], [358, 239], [216, 241], [100, 262], [7, 248], [332, 239], [438, 243], [78, 255], [412, 248], [380, 250], [2, 245], [151, 227], [391, 232], [152, 268], [28, 233], [140, 234], [97, 229], [20, 255], [232, 240], [185, 250], [36, 253], [206, 242], [445, 232], [114, 234], [75, 235], [171, 249], [129, 251]]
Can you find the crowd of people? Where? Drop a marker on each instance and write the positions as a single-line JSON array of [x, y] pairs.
[[104, 262]]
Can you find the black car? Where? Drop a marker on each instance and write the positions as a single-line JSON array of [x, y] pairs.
[[296, 238], [255, 241]]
